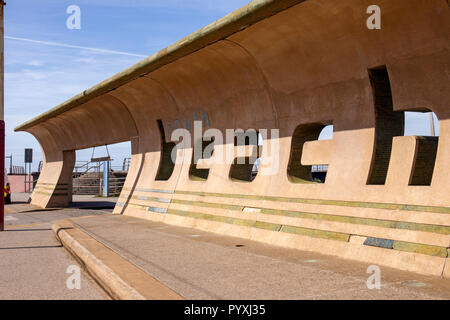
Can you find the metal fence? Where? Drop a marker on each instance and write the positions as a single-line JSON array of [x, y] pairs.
[[126, 164], [16, 170], [88, 178]]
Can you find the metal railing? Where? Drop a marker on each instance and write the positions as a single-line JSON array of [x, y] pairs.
[[115, 186], [86, 166], [17, 170], [126, 164], [88, 178], [85, 185], [94, 185]]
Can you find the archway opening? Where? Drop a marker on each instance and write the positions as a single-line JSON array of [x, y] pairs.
[[424, 126], [245, 169], [319, 171], [166, 165], [99, 175], [206, 148], [297, 172]]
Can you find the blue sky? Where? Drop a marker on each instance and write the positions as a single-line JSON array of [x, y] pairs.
[[46, 63], [39, 75]]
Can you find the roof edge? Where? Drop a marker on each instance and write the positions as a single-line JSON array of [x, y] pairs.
[[236, 21]]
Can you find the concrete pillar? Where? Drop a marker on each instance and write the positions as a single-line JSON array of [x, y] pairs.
[[54, 188]]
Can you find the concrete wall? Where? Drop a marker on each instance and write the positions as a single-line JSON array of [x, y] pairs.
[[296, 66]]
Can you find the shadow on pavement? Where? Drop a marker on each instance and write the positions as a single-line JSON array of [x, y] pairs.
[[93, 205], [36, 247], [13, 230]]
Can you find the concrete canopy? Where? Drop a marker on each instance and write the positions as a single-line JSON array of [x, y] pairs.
[[295, 66]]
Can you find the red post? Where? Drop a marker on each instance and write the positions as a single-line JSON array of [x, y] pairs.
[[2, 174]]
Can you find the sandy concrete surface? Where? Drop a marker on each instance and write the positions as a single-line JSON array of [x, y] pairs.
[[120, 278], [33, 264], [20, 203], [296, 67], [201, 265]]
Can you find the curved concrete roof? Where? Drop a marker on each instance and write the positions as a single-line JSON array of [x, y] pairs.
[[234, 22], [313, 64]]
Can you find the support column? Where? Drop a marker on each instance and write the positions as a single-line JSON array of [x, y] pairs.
[[54, 187]]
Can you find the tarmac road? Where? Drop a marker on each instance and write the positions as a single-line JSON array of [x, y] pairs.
[[33, 264]]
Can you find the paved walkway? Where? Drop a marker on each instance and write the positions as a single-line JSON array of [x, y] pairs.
[[201, 265], [33, 264], [193, 263], [20, 203]]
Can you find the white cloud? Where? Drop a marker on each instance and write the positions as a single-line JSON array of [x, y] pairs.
[[65, 45], [33, 89], [35, 63], [210, 5], [41, 74]]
